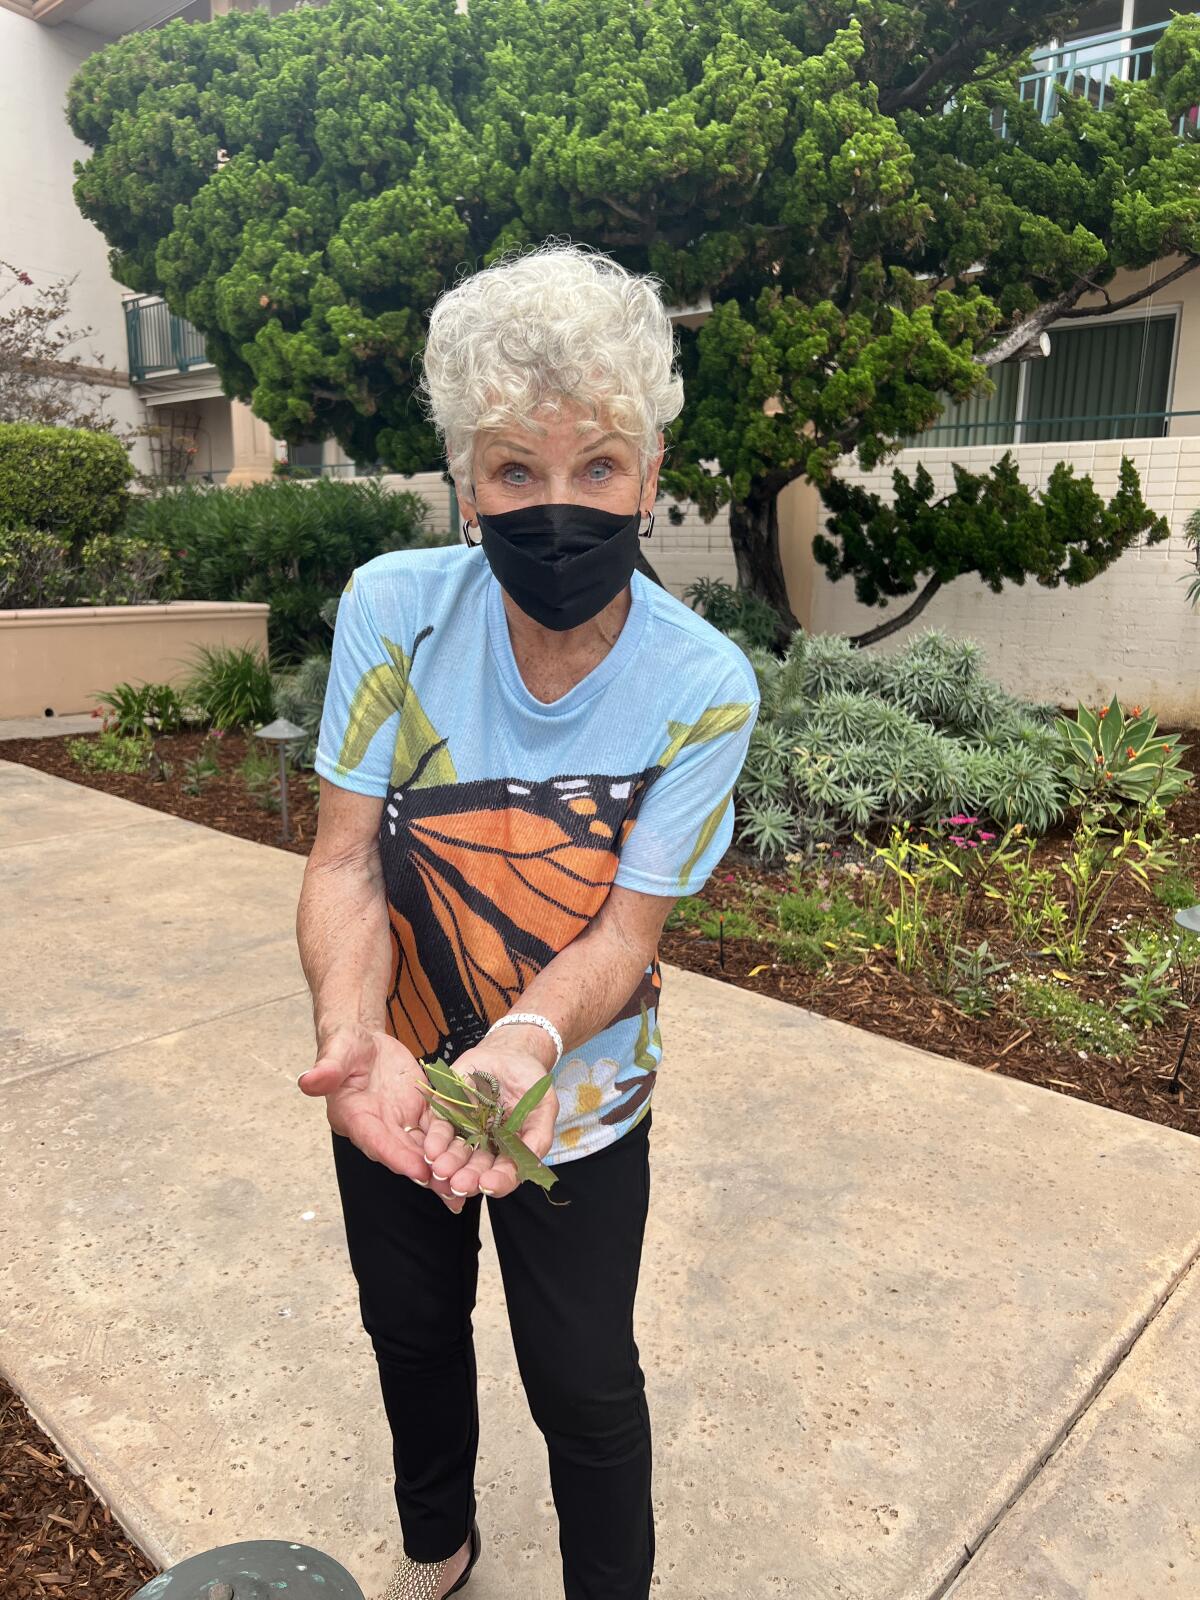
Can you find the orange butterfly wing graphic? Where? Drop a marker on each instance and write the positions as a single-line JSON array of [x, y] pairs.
[[486, 883]]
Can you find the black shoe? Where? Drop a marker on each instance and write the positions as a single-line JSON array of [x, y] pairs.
[[476, 1548]]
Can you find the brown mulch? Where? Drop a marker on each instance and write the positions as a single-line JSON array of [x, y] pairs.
[[224, 802], [57, 1541]]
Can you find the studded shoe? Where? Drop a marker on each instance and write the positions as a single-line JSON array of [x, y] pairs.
[[421, 1580]]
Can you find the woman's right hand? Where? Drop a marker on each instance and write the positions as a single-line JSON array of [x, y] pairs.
[[370, 1083]]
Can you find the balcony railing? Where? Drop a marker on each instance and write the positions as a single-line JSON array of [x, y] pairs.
[[1092, 67], [159, 341], [1096, 427]]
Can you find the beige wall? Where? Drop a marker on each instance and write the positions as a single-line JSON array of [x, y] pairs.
[[1127, 632], [57, 660]]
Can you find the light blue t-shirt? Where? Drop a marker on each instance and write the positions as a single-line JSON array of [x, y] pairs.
[[506, 820]]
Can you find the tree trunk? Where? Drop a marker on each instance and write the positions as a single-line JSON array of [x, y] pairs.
[[754, 531], [901, 619]]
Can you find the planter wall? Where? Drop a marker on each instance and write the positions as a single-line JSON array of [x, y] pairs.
[[56, 660]]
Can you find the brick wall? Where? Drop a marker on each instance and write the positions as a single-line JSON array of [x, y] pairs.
[[1129, 632]]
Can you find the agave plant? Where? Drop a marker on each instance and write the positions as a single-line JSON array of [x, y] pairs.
[[1110, 753]]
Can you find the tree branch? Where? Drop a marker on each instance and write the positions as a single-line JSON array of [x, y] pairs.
[[623, 210], [1028, 330], [913, 94], [1138, 294], [901, 619]]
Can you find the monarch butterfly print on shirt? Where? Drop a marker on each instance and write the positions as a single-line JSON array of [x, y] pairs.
[[486, 882]]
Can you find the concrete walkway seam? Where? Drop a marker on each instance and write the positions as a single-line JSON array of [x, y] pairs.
[[958, 1577], [150, 1038]]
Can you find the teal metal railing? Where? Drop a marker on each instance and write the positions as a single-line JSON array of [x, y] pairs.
[[1049, 430], [158, 340], [1092, 67]]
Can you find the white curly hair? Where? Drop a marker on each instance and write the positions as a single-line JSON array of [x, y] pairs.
[[560, 322]]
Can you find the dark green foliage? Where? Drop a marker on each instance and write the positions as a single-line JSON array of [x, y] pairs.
[[830, 176], [991, 525], [291, 544], [64, 481]]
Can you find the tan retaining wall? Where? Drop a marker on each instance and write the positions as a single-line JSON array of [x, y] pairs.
[[57, 659]]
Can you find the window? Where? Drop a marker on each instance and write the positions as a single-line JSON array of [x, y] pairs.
[[1103, 380], [305, 460]]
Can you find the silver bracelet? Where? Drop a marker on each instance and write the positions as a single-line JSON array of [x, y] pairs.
[[539, 1022]]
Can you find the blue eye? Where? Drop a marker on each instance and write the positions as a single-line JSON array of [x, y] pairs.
[[514, 466], [606, 468]]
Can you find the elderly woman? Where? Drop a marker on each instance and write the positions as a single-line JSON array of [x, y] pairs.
[[527, 753]]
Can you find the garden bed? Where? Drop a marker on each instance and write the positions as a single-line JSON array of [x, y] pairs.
[[57, 1541], [867, 989]]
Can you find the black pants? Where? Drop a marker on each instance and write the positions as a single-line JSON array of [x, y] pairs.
[[570, 1276]]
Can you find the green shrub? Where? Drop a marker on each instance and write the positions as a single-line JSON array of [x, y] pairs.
[[734, 610], [300, 697], [129, 706], [290, 544], [64, 481], [42, 569], [849, 740], [1073, 1021], [117, 570], [35, 569], [1150, 985], [818, 926], [232, 686], [110, 752], [1176, 891]]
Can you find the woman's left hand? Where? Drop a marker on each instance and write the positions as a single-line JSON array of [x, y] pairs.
[[517, 1067]]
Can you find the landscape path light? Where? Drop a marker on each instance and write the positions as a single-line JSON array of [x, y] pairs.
[[281, 733]]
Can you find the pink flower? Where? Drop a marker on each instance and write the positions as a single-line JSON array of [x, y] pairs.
[[983, 835], [957, 838], [216, 733], [957, 820], [972, 844]]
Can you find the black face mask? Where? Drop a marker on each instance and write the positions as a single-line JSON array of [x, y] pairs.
[[562, 564]]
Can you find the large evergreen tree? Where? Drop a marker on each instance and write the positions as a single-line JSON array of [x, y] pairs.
[[875, 214]]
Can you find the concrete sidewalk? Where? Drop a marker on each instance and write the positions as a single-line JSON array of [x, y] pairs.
[[909, 1327]]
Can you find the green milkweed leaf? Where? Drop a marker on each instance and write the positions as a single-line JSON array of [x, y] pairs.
[[529, 1168], [515, 1120]]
